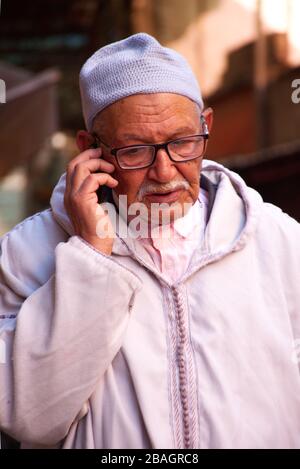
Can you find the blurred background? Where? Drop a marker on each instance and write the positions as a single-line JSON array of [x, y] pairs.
[[245, 54]]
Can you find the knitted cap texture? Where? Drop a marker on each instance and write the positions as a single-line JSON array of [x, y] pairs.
[[135, 65]]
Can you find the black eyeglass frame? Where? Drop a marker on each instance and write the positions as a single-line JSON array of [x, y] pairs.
[[157, 146]]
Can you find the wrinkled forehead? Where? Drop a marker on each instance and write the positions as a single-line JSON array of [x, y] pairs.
[[144, 111]]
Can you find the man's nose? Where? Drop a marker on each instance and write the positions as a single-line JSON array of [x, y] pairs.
[[163, 169]]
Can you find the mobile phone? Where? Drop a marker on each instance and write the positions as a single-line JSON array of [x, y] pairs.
[[99, 191]]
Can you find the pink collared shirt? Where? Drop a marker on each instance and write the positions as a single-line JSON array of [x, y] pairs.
[[172, 253]]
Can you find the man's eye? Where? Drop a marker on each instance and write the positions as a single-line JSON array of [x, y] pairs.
[[135, 151], [184, 141]]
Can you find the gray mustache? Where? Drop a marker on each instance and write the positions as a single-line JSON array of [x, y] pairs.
[[151, 188]]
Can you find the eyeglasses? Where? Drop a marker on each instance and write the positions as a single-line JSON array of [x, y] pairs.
[[142, 156]]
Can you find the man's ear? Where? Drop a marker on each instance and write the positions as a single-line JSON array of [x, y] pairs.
[[208, 113], [84, 140]]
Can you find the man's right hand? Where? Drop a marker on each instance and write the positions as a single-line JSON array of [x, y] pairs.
[[81, 200]]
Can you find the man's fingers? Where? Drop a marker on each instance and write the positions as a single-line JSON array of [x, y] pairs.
[[91, 153], [84, 156], [84, 169], [94, 181]]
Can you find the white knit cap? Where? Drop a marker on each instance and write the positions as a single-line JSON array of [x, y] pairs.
[[135, 65]]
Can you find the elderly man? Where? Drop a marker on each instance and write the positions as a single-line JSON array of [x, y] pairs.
[[131, 338]]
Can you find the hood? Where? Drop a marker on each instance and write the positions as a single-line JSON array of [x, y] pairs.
[[234, 210]]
